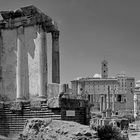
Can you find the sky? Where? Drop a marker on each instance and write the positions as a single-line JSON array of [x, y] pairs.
[[90, 31]]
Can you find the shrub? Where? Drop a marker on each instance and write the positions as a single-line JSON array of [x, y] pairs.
[[108, 132]]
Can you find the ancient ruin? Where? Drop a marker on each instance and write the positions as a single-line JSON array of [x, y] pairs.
[[24, 89], [23, 58]]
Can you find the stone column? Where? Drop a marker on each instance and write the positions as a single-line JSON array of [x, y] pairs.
[[20, 49], [108, 98], [113, 101], [79, 88], [104, 102], [55, 57], [101, 103], [1, 45], [42, 77], [135, 105]]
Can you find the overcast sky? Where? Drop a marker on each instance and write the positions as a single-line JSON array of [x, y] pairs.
[[90, 31]]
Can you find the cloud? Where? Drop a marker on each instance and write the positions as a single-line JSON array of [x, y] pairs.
[[97, 75]]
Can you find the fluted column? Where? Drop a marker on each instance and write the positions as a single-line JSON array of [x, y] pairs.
[[42, 77], [20, 49], [55, 57]]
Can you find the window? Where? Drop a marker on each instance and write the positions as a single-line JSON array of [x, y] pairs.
[[119, 98], [89, 97], [124, 99]]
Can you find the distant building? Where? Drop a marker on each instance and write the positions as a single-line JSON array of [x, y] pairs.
[[126, 91], [104, 69], [137, 100], [96, 88]]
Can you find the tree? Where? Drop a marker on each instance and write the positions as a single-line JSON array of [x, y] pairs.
[[109, 132]]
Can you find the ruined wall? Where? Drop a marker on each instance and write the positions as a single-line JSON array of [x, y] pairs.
[[74, 110], [13, 120], [29, 66], [130, 93]]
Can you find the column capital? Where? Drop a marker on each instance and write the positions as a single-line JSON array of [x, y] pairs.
[[55, 34]]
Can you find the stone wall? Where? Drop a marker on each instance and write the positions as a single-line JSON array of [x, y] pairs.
[[13, 115], [74, 110]]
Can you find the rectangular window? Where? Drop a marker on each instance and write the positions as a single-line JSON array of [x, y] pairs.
[[89, 97], [119, 98]]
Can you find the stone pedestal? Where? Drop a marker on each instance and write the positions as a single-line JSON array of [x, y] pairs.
[[55, 58]]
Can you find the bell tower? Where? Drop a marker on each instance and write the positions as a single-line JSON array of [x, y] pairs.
[[104, 69]]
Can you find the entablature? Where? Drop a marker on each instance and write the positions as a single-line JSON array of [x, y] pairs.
[[27, 16]]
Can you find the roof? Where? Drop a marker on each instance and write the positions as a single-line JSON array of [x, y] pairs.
[[95, 79]]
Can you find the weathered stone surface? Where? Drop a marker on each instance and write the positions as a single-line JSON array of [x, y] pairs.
[[56, 130], [29, 63], [24, 56], [16, 106], [26, 16]]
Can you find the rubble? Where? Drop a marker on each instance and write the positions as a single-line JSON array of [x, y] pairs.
[[48, 129]]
